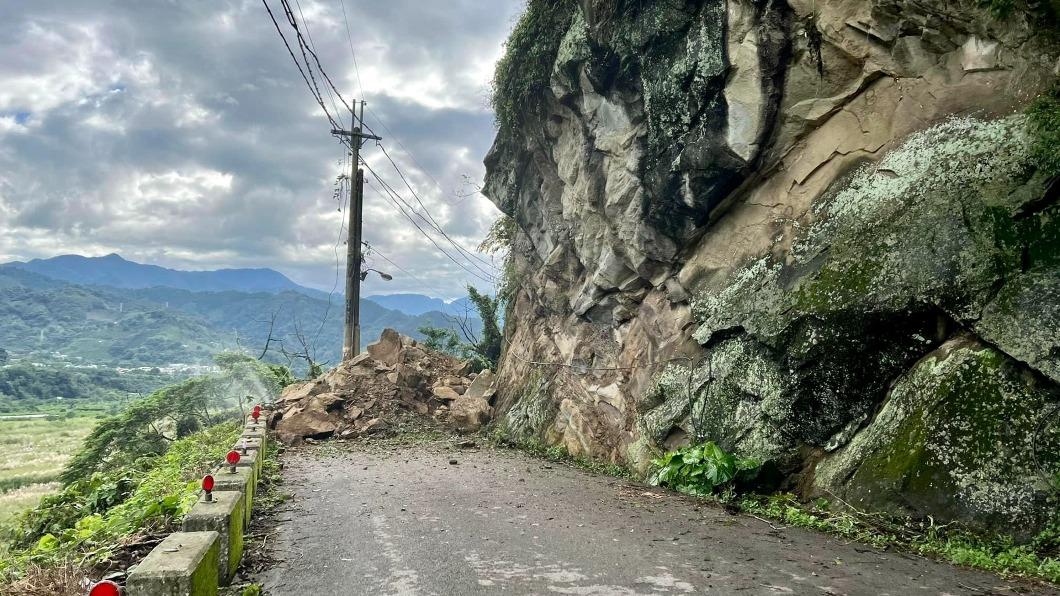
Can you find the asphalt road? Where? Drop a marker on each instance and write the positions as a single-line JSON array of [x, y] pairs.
[[409, 522]]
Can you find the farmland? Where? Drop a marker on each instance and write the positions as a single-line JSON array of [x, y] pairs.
[[32, 453]]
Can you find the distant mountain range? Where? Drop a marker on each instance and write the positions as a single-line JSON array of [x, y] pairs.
[[417, 304], [116, 272], [111, 311]]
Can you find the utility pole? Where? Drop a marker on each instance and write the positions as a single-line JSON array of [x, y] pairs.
[[351, 339]]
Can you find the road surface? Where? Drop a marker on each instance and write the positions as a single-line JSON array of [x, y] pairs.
[[409, 522]]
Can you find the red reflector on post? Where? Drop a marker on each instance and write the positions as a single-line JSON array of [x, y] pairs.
[[207, 483], [105, 588], [232, 458]]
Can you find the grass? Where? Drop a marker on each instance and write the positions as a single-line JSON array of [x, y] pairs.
[[32, 453]]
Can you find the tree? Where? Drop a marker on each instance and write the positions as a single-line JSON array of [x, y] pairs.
[[441, 339], [482, 348], [489, 347]]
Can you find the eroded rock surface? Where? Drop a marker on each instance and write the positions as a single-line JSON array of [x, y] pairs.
[[783, 226]]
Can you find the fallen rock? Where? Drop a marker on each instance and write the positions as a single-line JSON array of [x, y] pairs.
[[296, 393], [411, 376], [304, 424], [469, 414], [388, 349], [326, 402], [375, 425], [483, 387], [445, 393]]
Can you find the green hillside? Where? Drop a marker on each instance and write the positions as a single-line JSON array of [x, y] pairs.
[[46, 318]]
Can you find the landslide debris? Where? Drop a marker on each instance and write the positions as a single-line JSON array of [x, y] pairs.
[[395, 379]]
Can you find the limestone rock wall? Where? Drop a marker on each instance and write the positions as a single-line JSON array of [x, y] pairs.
[[810, 231]]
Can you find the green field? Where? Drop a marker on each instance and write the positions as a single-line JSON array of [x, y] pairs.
[[32, 453]]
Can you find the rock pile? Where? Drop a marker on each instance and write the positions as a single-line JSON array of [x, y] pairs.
[[397, 377]]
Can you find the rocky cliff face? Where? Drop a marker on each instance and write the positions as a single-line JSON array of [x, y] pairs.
[[814, 232]]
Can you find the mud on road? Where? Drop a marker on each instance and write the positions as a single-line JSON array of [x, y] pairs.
[[407, 521]]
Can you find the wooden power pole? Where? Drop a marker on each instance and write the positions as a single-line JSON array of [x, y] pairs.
[[351, 339]]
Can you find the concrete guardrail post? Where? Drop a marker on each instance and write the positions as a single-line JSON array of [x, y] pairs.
[[223, 514], [242, 480], [250, 460], [184, 564]]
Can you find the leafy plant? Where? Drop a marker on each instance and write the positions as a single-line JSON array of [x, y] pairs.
[[701, 469], [482, 347], [489, 346], [501, 240], [442, 339]]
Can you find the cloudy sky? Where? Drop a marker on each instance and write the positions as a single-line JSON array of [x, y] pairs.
[[180, 133]]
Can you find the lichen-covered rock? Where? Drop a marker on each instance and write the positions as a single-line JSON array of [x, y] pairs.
[[963, 435]]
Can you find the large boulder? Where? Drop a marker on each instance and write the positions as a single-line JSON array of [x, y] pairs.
[[307, 423], [483, 387], [300, 391], [388, 349], [964, 435], [469, 414]]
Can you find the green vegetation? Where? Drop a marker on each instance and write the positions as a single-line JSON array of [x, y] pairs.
[[523, 73], [148, 426], [701, 469], [54, 388], [136, 476], [91, 519], [1038, 559], [1044, 122], [501, 240]]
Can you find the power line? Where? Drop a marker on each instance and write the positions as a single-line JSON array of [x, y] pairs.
[[349, 36], [312, 45], [395, 202], [298, 65], [397, 197], [305, 47], [434, 222]]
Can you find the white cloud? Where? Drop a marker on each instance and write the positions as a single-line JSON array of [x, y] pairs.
[[181, 133]]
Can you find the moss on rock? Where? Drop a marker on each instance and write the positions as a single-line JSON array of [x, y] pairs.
[[960, 437]]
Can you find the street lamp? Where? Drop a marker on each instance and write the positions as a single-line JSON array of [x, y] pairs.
[[385, 276]]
